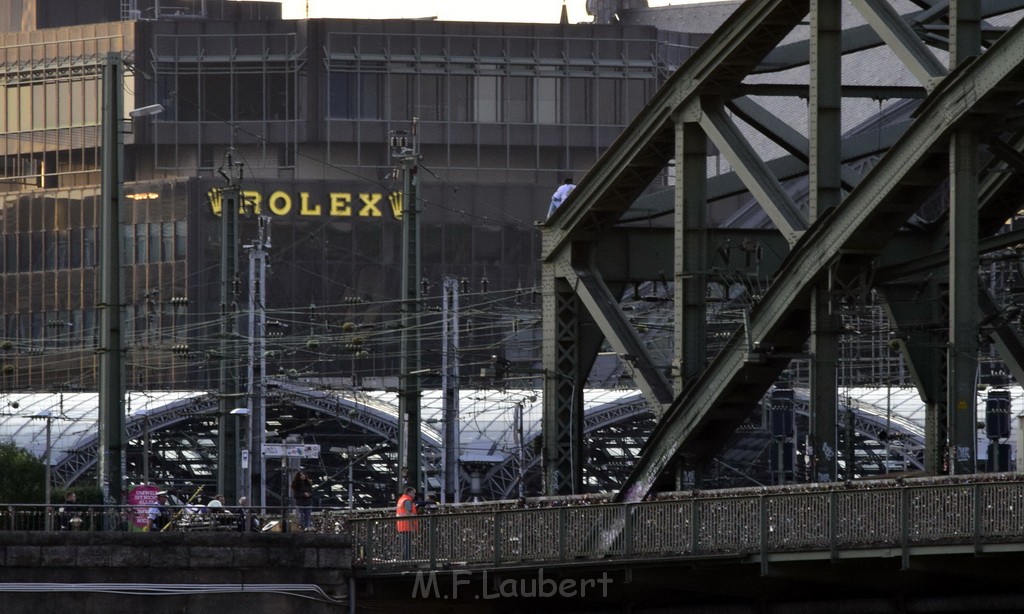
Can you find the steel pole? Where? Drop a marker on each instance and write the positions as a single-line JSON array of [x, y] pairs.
[[46, 490], [409, 453], [111, 383]]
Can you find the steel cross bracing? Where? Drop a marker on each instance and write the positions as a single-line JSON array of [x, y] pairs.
[[841, 242]]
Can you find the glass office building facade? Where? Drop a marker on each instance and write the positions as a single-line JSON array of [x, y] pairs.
[[503, 112]]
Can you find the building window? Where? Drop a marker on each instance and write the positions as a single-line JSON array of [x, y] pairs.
[[215, 98], [343, 102], [167, 241], [11, 253], [519, 100], [432, 98], [487, 98], [141, 247], [247, 96], [75, 248], [50, 250], [180, 240], [220, 93], [401, 96], [607, 102], [460, 98], [354, 95], [579, 100], [154, 243], [280, 96], [89, 248], [548, 101]]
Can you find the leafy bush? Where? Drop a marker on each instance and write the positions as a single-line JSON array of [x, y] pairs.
[[22, 476]]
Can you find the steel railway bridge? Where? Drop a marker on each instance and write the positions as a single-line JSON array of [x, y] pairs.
[[900, 216], [904, 221]]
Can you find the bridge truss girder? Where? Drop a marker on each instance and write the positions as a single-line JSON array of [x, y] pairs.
[[962, 138]]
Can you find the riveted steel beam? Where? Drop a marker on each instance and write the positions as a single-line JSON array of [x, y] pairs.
[[755, 175], [902, 39], [783, 135], [604, 308]]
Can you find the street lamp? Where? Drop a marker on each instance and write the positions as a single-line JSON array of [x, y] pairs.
[[246, 466], [146, 111]]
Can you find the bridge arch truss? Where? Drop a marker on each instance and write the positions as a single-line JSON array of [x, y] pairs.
[[901, 215]]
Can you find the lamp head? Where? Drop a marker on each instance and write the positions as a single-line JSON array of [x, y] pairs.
[[147, 111]]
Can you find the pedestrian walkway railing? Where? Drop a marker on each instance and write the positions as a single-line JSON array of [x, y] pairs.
[[973, 511], [83, 517]]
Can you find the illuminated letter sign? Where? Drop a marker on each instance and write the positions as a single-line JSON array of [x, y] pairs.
[[280, 203], [341, 204], [216, 200], [395, 198], [308, 204], [370, 208], [304, 208]]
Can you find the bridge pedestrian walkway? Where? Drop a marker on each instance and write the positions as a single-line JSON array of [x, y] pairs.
[[884, 518]]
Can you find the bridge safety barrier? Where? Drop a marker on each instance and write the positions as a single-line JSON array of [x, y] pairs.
[[971, 511]]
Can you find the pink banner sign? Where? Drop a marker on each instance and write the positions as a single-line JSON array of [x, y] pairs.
[[142, 498]]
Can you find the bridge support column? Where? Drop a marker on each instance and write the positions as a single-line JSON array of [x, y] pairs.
[[825, 174], [962, 359], [563, 386], [690, 249]]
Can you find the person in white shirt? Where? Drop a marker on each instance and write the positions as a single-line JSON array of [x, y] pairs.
[[560, 195]]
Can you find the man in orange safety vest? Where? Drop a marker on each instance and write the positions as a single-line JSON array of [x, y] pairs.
[[407, 507]]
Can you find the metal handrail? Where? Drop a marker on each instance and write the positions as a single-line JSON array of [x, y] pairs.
[[99, 517], [756, 523]]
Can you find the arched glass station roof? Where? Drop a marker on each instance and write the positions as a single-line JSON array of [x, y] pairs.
[[181, 429]]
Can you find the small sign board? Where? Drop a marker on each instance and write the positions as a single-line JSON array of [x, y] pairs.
[[291, 450]]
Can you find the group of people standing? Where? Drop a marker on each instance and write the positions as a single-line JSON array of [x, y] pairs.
[[162, 515]]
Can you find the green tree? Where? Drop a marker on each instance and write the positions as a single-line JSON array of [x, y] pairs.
[[22, 476]]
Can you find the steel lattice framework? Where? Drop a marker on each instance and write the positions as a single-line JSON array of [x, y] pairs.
[[857, 235]]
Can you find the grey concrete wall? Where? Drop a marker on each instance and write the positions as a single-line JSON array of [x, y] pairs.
[[237, 561]]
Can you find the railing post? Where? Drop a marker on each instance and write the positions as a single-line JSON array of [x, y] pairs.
[[368, 549], [627, 533], [562, 519], [694, 525], [497, 537], [833, 524], [763, 512], [979, 509], [905, 527], [432, 541]]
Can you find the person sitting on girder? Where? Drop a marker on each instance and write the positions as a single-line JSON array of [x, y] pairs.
[[560, 195]]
